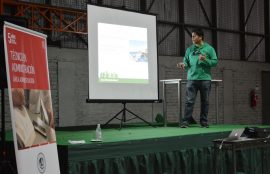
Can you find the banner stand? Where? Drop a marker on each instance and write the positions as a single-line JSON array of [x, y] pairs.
[[5, 165], [30, 100]]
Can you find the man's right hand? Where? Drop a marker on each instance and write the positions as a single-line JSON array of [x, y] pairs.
[[180, 65]]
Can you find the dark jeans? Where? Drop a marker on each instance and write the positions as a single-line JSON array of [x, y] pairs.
[[192, 87]]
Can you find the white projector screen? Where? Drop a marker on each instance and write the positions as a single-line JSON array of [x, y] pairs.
[[122, 48]]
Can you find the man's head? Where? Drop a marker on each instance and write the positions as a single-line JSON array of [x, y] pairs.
[[197, 36]]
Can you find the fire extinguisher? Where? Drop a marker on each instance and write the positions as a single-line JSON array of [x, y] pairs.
[[253, 98]]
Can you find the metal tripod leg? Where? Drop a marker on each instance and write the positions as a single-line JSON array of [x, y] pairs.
[[123, 119]]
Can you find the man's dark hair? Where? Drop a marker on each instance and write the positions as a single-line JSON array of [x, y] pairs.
[[198, 32]]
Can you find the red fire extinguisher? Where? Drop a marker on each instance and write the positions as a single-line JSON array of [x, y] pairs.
[[253, 98]]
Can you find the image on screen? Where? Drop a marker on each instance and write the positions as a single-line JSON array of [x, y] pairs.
[[125, 44]]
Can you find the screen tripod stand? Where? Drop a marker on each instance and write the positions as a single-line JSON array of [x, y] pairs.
[[5, 165], [124, 119]]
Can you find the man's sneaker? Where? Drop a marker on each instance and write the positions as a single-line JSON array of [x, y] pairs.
[[184, 125], [204, 124]]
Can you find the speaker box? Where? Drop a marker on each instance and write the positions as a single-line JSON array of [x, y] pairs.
[[15, 20]]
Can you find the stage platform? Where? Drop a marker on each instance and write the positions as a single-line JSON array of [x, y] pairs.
[[140, 149]]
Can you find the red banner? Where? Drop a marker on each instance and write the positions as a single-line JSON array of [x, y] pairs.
[[27, 57], [30, 100]]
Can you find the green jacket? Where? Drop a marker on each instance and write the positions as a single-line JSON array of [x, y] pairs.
[[197, 69]]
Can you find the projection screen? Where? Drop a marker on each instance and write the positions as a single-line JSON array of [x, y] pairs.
[[122, 48]]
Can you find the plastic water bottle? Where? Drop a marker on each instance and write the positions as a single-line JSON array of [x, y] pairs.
[[98, 133]]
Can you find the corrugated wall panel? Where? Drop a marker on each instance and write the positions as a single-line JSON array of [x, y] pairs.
[[34, 1], [170, 45], [166, 10], [194, 13], [77, 4], [228, 18], [255, 22], [259, 53], [208, 36], [228, 14], [188, 40], [228, 46], [130, 4]]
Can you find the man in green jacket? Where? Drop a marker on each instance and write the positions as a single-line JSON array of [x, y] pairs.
[[198, 61]]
